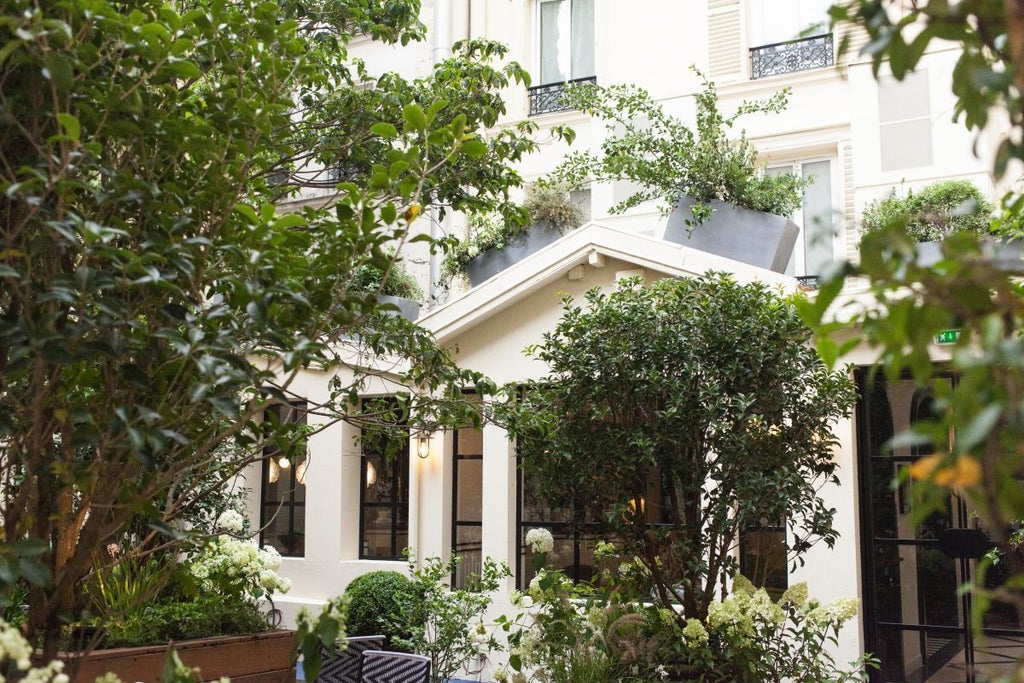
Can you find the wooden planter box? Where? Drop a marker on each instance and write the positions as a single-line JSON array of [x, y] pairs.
[[260, 658], [752, 237]]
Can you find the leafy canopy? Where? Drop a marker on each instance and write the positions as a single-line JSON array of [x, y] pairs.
[[667, 158], [154, 304], [677, 414]]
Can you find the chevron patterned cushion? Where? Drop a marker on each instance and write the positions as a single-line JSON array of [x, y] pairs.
[[394, 667], [343, 667]]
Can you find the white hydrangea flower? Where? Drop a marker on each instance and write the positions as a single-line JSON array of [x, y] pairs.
[[540, 540], [230, 521]]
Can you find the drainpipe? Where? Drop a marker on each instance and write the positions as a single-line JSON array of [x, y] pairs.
[[441, 49]]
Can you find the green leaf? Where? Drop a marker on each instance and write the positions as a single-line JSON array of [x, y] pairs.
[[384, 130], [72, 128], [474, 148], [289, 220], [415, 117], [185, 69]]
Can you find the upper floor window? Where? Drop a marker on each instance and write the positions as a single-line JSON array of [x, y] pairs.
[[384, 489], [818, 241], [283, 500], [566, 50], [788, 36]]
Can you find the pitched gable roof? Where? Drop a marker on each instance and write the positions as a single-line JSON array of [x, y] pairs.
[[590, 245]]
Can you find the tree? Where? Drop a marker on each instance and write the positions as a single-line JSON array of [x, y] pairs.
[[679, 415], [154, 305], [970, 289]]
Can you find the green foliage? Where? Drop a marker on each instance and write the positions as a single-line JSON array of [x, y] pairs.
[[447, 624], [376, 600], [552, 206], [575, 633], [667, 158], [674, 416], [987, 75], [549, 206], [124, 589], [396, 281], [933, 212], [153, 303], [205, 616]]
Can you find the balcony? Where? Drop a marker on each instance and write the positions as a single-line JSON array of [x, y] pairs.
[[546, 99], [792, 55]]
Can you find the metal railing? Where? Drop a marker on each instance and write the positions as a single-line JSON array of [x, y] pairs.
[[545, 99], [792, 55]]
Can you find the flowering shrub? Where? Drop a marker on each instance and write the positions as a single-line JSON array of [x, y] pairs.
[[569, 633], [447, 624], [16, 653], [237, 567], [748, 636]]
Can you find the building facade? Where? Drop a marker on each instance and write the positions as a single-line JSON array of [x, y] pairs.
[[347, 510]]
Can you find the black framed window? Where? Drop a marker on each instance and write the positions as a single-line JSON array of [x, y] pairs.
[[384, 492], [283, 486], [467, 500]]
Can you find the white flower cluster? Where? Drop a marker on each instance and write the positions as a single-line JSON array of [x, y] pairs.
[[228, 563], [230, 521], [16, 650], [540, 540]]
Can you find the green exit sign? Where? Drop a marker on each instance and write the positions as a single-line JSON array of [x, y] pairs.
[[947, 337]]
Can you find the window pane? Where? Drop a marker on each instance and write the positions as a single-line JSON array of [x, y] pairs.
[[471, 441], [763, 559], [469, 505], [582, 38], [818, 229], [550, 70], [468, 547], [384, 490], [377, 531]]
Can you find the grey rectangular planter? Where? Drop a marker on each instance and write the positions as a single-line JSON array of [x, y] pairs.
[[407, 308], [493, 261], [752, 237]]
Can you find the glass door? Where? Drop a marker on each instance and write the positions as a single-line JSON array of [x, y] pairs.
[[917, 620]]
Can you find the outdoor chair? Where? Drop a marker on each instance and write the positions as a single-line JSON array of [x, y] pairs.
[[394, 667], [343, 667]]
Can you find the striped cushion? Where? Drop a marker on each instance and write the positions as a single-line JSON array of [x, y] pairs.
[[394, 667], [343, 667]]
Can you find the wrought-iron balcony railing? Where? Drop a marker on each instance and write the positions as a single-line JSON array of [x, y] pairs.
[[808, 281], [792, 55], [545, 99]]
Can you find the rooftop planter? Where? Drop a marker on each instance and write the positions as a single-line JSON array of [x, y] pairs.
[[940, 210], [752, 237], [497, 242], [718, 176], [396, 286]]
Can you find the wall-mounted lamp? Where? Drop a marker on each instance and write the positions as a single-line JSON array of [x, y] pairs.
[[423, 445], [284, 463]]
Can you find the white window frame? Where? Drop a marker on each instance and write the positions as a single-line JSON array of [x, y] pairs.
[[798, 263]]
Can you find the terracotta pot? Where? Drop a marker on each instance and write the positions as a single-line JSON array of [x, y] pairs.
[[260, 658]]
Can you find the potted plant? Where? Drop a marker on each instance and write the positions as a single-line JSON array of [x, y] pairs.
[[941, 209], [395, 286], [208, 603], [717, 197], [497, 242]]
